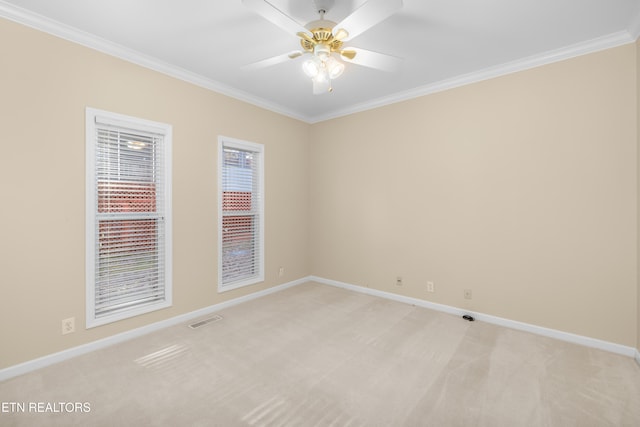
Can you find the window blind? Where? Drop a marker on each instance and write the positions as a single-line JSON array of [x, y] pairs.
[[130, 219], [241, 214]]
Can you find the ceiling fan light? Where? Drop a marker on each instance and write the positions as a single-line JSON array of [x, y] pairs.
[[322, 76], [334, 68], [310, 68], [321, 87]]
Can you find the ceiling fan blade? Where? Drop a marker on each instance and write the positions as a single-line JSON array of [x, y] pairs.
[[275, 16], [366, 16], [306, 36], [371, 59], [348, 54], [340, 34], [272, 61]]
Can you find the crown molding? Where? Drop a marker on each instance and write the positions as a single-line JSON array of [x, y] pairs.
[[634, 27], [74, 35], [47, 25], [606, 42]]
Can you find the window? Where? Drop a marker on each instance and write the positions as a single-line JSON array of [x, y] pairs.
[[128, 216], [240, 213]]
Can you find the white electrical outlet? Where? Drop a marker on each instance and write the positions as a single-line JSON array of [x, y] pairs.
[[398, 281], [281, 272], [68, 325], [431, 287], [467, 294]]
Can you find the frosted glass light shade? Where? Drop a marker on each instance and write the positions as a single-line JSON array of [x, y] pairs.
[[334, 68], [311, 68]]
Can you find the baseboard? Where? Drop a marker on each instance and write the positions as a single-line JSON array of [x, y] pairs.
[[32, 365], [551, 333]]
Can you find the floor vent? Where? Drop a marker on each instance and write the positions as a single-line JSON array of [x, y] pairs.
[[206, 321]]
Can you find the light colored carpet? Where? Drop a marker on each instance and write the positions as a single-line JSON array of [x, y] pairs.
[[315, 355]]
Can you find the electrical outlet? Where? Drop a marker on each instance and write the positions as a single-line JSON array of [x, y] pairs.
[[281, 272], [398, 281], [68, 325], [431, 287], [467, 294]]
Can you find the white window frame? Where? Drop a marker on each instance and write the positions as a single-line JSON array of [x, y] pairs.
[[258, 277], [95, 118]]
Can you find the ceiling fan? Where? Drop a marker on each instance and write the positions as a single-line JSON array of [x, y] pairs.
[[324, 40]]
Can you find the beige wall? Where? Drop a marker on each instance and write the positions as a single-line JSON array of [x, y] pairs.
[[521, 188], [46, 83]]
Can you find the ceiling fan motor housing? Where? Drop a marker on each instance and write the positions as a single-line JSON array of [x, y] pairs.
[[322, 36]]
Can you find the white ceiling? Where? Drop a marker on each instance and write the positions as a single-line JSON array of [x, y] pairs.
[[443, 43]]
